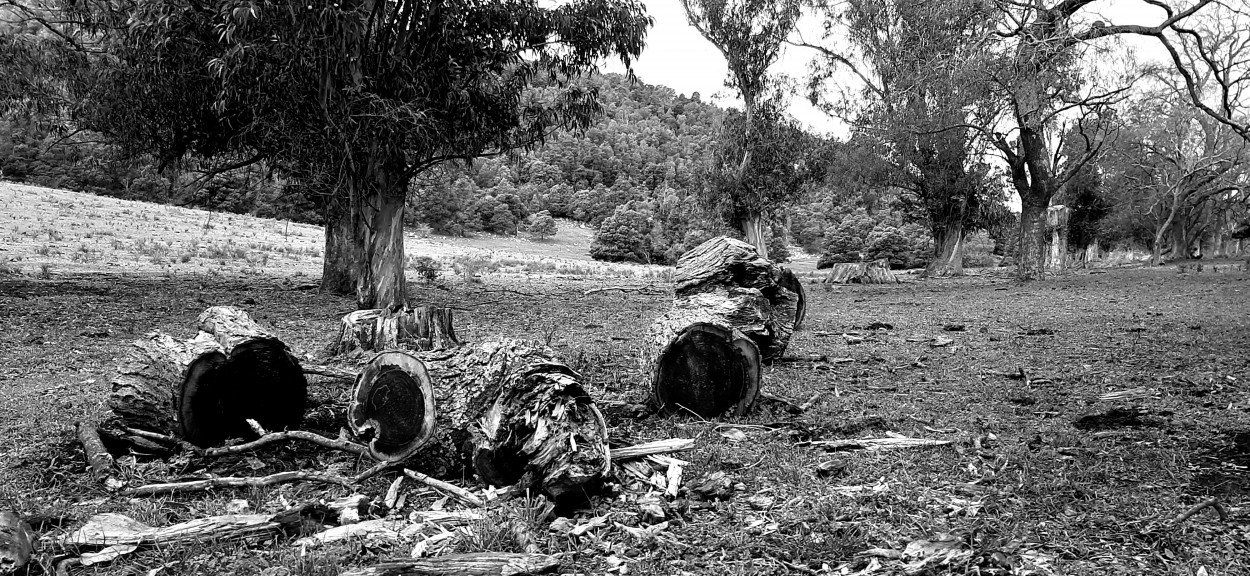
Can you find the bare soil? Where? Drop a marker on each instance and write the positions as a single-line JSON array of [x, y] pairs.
[[1042, 476]]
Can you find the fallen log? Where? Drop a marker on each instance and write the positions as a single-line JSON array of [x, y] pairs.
[[875, 272], [474, 564], [702, 365], [421, 328], [203, 390], [16, 542], [723, 269], [111, 529], [519, 415]]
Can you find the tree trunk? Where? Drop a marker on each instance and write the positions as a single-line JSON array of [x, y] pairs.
[[875, 272], [342, 251], [473, 564], [1056, 239], [205, 389], [702, 364], [421, 328], [753, 232], [381, 281], [949, 251], [511, 408], [1032, 256]]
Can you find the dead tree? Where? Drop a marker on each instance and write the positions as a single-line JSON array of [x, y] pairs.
[[519, 415], [420, 328], [203, 390]]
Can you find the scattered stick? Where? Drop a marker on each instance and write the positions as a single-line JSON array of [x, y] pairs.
[[475, 564], [103, 468], [459, 493], [811, 401], [658, 447], [874, 443], [642, 289], [231, 482], [330, 372], [376, 469], [272, 437], [1209, 503]]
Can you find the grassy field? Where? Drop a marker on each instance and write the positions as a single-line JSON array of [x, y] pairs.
[[1048, 470]]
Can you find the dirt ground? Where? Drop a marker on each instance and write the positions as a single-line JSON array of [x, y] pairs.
[[1042, 475]]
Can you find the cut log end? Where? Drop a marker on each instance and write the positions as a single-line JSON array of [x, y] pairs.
[[259, 380], [393, 403], [709, 370]]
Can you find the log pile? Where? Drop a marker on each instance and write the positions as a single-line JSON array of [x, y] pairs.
[[511, 408], [204, 389], [874, 272], [733, 310]]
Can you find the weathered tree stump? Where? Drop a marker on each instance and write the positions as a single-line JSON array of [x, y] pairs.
[[420, 328], [511, 408], [702, 364], [875, 272], [203, 390]]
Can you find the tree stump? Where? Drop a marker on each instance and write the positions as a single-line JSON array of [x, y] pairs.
[[420, 328], [875, 272], [723, 265], [511, 408], [203, 390]]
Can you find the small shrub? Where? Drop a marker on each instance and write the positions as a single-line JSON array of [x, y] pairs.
[[43, 250], [427, 268], [45, 271]]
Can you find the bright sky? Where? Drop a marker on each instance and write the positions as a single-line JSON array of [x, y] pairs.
[[677, 56]]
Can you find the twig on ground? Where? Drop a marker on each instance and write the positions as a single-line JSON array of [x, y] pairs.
[[812, 401], [640, 289], [459, 493], [376, 469], [1199, 507], [332, 443], [232, 482]]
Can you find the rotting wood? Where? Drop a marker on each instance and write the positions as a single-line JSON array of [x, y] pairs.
[[651, 448], [459, 493], [203, 390], [111, 529], [165, 488], [473, 564], [103, 467], [421, 328], [735, 269], [703, 366], [523, 414], [874, 272], [16, 542], [393, 406]]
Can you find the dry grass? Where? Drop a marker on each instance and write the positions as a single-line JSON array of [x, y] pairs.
[[1042, 474]]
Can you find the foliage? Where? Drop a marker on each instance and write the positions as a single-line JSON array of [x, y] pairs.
[[624, 237], [541, 225]]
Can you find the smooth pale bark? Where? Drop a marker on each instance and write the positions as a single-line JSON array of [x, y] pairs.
[[949, 250], [364, 250], [753, 232], [1057, 239]]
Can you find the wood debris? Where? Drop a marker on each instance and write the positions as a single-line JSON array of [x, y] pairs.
[[887, 443]]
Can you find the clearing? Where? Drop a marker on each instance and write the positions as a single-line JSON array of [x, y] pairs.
[[1049, 471]]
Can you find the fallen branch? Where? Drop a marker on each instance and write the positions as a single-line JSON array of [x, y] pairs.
[[874, 443], [811, 401], [1209, 503], [103, 467], [231, 482], [330, 372], [272, 437], [459, 493], [376, 469], [658, 447], [642, 289], [476, 564]]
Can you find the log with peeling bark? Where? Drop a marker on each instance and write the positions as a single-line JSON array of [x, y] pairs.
[[875, 272], [473, 564], [420, 328], [723, 265], [513, 410], [703, 365], [203, 390]]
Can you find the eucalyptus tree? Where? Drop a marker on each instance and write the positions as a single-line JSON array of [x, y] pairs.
[[750, 34], [918, 63], [355, 97]]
